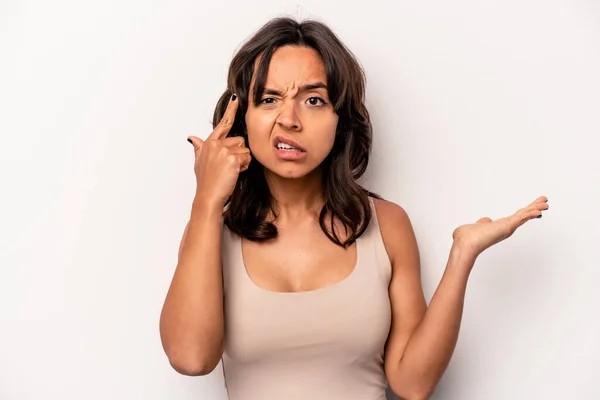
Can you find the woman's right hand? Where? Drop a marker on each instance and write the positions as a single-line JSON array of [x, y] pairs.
[[219, 160]]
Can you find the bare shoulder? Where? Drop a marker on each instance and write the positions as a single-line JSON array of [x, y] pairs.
[[405, 290], [394, 223], [388, 209]]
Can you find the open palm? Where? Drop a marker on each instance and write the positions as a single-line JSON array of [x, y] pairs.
[[486, 232]]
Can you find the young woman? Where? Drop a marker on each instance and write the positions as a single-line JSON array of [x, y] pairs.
[[305, 284]]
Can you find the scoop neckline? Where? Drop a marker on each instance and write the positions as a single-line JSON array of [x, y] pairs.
[[323, 289]]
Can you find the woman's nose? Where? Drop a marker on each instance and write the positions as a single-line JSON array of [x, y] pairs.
[[288, 117]]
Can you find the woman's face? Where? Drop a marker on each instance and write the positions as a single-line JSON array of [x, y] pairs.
[[293, 128]]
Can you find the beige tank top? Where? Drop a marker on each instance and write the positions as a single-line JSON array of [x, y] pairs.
[[323, 344]]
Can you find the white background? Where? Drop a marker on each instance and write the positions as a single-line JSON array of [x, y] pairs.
[[478, 108]]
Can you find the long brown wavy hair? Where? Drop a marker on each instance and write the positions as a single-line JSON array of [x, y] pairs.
[[248, 206]]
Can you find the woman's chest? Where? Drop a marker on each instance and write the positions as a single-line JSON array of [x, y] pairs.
[[303, 298], [300, 262], [348, 323]]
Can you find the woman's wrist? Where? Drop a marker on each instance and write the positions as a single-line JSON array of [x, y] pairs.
[[461, 257], [205, 208]]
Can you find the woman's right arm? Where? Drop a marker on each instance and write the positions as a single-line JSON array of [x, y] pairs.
[[191, 322]]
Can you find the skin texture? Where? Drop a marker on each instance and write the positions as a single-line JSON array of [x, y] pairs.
[[421, 340]]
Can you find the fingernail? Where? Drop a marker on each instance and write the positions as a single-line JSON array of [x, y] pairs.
[[190, 140], [539, 216], [233, 97]]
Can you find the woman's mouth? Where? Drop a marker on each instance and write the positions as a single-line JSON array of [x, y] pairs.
[[287, 147], [287, 152]]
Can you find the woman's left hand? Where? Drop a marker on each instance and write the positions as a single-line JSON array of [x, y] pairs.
[[475, 238]]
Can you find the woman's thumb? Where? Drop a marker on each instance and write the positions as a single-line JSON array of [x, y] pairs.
[[196, 142]]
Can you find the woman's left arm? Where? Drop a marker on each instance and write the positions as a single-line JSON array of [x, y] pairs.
[[422, 339]]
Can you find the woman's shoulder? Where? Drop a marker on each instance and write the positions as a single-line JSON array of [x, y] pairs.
[[386, 209], [394, 224]]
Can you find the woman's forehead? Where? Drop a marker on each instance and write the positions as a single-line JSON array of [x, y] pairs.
[[292, 67]]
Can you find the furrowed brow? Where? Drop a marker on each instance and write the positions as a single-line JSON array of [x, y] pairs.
[[304, 88]]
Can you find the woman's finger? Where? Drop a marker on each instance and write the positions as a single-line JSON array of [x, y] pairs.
[[245, 162], [197, 143], [239, 150], [234, 141], [224, 126]]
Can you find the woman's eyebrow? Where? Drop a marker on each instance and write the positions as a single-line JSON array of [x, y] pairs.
[[304, 88]]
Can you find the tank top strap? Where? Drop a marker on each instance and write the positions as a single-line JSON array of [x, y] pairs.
[[373, 239]]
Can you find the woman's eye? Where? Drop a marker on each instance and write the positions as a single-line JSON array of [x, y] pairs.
[[316, 101], [313, 101]]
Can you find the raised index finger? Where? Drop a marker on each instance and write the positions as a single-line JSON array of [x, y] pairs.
[[222, 129]]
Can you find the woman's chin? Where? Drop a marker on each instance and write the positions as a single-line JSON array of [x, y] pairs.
[[291, 172]]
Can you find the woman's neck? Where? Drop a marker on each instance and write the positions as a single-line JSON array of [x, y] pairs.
[[296, 198]]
